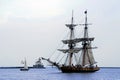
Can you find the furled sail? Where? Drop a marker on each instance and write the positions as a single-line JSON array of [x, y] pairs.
[[77, 40], [75, 50], [86, 39], [71, 41], [71, 25]]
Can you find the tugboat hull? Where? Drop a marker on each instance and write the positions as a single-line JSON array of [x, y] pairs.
[[38, 66], [78, 70]]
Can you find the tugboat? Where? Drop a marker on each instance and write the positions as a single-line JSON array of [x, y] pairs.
[[79, 55], [25, 68], [38, 64]]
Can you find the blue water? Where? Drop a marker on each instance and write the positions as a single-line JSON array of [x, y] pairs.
[[55, 74]]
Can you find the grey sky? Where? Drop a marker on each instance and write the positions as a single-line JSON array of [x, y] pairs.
[[34, 28]]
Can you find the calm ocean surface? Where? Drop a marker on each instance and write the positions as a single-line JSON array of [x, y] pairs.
[[54, 74]]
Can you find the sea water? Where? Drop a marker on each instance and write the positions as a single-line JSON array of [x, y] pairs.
[[54, 74]]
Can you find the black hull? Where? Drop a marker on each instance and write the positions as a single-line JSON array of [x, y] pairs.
[[23, 69], [78, 69]]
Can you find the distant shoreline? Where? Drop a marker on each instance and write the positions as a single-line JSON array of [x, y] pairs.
[[34, 67], [14, 67], [111, 67]]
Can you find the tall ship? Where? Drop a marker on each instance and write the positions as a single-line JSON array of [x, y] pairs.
[[78, 58]]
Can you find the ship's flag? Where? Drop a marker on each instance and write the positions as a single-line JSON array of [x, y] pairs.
[[85, 12]]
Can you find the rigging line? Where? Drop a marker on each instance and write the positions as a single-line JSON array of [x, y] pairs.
[[82, 32], [67, 35], [75, 58], [57, 57], [88, 57], [58, 54], [52, 54], [75, 33], [61, 58], [56, 50], [80, 57], [66, 59], [58, 46]]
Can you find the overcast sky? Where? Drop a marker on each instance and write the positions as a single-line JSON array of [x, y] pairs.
[[34, 28]]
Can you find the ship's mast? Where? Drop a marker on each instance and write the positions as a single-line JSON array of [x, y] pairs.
[[86, 43], [71, 45], [86, 28], [85, 36], [70, 42]]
